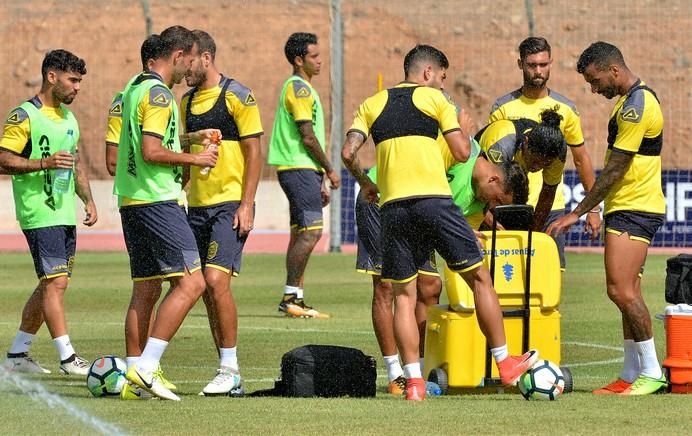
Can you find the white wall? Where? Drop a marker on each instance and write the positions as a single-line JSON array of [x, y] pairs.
[[271, 212]]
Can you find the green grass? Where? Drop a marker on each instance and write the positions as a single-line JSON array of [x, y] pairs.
[[99, 294]]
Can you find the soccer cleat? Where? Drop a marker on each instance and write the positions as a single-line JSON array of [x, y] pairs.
[[159, 373], [397, 386], [616, 387], [74, 365], [132, 392], [296, 308], [226, 380], [415, 389], [513, 367], [645, 385], [22, 362], [149, 383]]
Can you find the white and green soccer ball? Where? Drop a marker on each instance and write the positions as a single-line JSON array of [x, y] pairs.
[[106, 376], [544, 381]]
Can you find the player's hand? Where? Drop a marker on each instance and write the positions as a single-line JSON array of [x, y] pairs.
[[206, 137], [206, 158], [326, 195], [61, 159], [468, 126], [488, 221], [371, 192], [244, 219], [592, 226], [562, 225], [90, 216], [334, 179]]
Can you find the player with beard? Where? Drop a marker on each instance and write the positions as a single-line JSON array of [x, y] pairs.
[[148, 180], [39, 137], [528, 102], [221, 201]]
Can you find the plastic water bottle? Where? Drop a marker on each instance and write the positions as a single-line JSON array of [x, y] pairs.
[[204, 171], [215, 139], [63, 176], [432, 389]]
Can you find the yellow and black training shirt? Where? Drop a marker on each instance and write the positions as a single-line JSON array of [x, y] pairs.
[[404, 122], [636, 128], [237, 115], [515, 105]]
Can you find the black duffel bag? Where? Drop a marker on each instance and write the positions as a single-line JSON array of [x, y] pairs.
[[679, 279], [325, 371]]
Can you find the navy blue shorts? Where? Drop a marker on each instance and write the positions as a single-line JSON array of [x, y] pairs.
[[220, 245], [159, 241], [640, 226], [52, 249], [413, 228], [562, 238], [369, 257], [303, 189]]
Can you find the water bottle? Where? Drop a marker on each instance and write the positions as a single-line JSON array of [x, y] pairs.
[[62, 177], [432, 389], [215, 139], [204, 171]]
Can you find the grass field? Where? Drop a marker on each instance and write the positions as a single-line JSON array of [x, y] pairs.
[[100, 290]]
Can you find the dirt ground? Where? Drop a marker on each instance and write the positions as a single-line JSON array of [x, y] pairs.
[[480, 39]]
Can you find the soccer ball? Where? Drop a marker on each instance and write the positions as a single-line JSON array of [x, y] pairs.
[[544, 381], [106, 376]]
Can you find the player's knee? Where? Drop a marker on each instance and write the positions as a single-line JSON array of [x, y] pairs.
[[56, 284], [621, 295], [383, 295], [429, 289]]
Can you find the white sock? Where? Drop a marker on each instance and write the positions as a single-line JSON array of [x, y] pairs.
[[393, 367], [299, 294], [229, 358], [288, 290], [151, 356], [631, 367], [412, 370], [64, 346], [648, 359], [131, 360], [22, 342], [500, 353]]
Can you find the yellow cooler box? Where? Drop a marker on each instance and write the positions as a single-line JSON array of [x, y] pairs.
[[455, 349]]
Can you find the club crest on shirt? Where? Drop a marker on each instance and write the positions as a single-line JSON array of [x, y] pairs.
[[300, 89], [495, 155]]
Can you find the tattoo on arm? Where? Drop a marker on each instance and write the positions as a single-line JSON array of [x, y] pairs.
[[312, 144], [612, 173], [349, 155]]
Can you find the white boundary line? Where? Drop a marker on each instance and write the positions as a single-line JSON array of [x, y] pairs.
[[37, 392]]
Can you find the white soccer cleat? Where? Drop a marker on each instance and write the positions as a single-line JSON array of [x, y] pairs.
[[24, 363], [75, 366], [226, 380], [149, 383]]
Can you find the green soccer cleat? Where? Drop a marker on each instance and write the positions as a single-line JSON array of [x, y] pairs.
[[149, 383], [159, 373], [645, 385]]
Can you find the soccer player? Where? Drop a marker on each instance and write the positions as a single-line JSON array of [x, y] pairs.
[[369, 261], [528, 102], [476, 185], [297, 150], [221, 202], [417, 211], [39, 138], [630, 183], [537, 147], [148, 183], [145, 293]]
